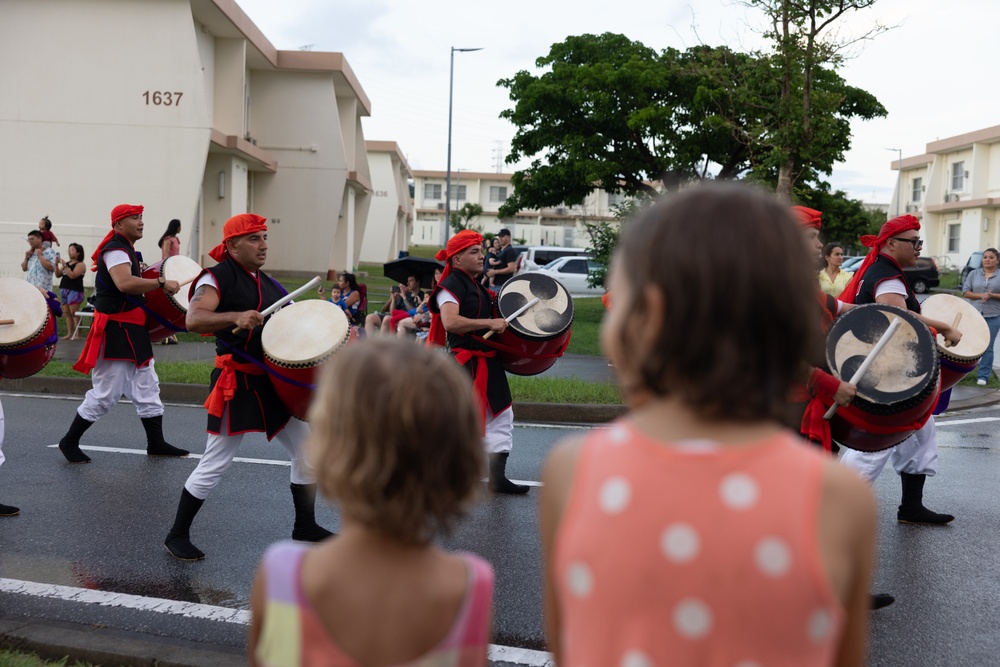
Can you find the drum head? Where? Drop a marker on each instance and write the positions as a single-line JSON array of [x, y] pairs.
[[22, 302], [305, 333], [551, 316], [975, 331], [180, 268], [903, 372]]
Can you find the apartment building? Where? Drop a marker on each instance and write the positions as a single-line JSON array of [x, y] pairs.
[[390, 216], [561, 225], [954, 189], [183, 106]]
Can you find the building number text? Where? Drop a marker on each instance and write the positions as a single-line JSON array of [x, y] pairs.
[[158, 98]]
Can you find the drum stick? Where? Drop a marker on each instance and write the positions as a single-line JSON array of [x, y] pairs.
[[513, 316], [285, 299], [6, 321], [863, 368], [187, 281]]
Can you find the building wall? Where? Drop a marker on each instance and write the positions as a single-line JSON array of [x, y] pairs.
[[390, 216]]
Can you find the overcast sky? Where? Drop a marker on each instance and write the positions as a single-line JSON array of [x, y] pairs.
[[935, 72]]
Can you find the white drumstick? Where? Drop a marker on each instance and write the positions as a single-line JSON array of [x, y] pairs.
[[6, 321], [513, 316], [863, 368], [285, 299]]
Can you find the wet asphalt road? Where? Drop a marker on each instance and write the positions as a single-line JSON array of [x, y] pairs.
[[100, 526]]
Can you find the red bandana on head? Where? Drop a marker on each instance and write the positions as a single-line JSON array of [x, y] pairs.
[[808, 217], [894, 227], [464, 240], [238, 225], [119, 212]]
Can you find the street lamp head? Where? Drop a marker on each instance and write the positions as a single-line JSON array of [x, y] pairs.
[[478, 48]]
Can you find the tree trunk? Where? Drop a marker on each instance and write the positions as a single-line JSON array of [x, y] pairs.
[[784, 189]]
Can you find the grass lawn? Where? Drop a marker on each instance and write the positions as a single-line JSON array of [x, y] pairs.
[[15, 659]]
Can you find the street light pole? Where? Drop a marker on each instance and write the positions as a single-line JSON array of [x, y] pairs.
[[447, 180], [899, 176]]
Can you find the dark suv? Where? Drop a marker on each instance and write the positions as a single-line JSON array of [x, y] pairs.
[[923, 276]]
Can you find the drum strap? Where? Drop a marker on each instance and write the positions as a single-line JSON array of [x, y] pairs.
[[225, 386], [263, 368], [92, 348], [155, 316]]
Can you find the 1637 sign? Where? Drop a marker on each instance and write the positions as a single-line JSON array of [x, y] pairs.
[[160, 98]]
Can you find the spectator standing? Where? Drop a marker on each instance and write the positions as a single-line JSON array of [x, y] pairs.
[[169, 243], [48, 238], [723, 507], [506, 261], [39, 262], [982, 287], [71, 285], [833, 279]]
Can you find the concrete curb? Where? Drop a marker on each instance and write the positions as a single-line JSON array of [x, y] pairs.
[[54, 640]]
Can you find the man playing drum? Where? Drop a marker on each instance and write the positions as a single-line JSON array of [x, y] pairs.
[[242, 399], [880, 279], [462, 311], [118, 348]]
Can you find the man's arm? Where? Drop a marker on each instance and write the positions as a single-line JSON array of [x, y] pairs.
[[508, 268], [456, 324], [951, 335], [202, 317], [47, 264], [122, 276]]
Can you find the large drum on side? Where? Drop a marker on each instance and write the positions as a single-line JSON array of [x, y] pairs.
[[29, 343], [962, 359], [899, 391], [169, 311], [297, 340], [535, 339]]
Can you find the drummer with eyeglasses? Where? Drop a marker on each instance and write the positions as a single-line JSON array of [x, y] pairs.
[[880, 279], [118, 353], [241, 399]]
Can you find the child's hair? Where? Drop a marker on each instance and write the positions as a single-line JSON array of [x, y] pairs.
[[738, 297], [396, 439], [48, 223]]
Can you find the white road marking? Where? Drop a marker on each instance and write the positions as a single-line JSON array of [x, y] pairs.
[[958, 422], [238, 459], [496, 652]]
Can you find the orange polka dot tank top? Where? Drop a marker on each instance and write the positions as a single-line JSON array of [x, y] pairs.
[[694, 554]]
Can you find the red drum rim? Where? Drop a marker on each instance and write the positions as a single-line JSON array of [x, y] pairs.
[[19, 284]]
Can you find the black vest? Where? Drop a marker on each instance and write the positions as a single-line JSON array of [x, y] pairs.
[[884, 268], [255, 405], [122, 341]]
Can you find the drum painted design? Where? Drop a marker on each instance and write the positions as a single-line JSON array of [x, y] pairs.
[[30, 342], [899, 391], [962, 359], [169, 308], [297, 340], [537, 337]]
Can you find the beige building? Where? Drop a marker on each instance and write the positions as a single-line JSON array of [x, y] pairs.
[[562, 225], [185, 107], [954, 189], [390, 216]]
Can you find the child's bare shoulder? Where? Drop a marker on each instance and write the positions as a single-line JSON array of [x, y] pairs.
[[845, 487]]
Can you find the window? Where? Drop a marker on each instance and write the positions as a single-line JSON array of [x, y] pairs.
[[432, 191], [574, 266], [953, 233], [958, 176], [615, 199], [918, 187], [498, 193], [460, 190]]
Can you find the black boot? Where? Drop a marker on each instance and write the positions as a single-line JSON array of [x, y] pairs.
[[155, 444], [8, 510], [306, 529], [70, 444], [911, 509], [498, 477], [178, 541]]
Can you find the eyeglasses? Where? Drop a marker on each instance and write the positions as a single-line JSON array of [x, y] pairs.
[[917, 243]]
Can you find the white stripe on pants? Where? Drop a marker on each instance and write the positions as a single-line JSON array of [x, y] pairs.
[[221, 449], [1, 434], [499, 432], [114, 378], [917, 455]]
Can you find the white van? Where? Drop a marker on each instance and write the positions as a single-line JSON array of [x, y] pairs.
[[536, 256]]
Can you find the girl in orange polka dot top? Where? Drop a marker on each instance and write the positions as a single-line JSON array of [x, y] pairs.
[[697, 530]]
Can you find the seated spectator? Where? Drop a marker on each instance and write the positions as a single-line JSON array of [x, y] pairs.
[[420, 317], [402, 299], [347, 295]]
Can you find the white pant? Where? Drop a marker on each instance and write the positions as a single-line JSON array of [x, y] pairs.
[[917, 455], [1, 434], [499, 432], [220, 450], [114, 378]]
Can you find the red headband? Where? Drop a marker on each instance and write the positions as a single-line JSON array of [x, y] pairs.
[[462, 241], [890, 229], [238, 225], [119, 212], [808, 217]]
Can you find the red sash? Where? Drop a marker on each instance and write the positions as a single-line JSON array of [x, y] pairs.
[[92, 348], [225, 386], [480, 377]]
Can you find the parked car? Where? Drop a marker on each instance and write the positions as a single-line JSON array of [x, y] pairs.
[[536, 256], [852, 263], [573, 273], [923, 276], [975, 261]]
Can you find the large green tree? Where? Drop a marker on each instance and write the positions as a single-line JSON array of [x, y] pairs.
[[844, 219]]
